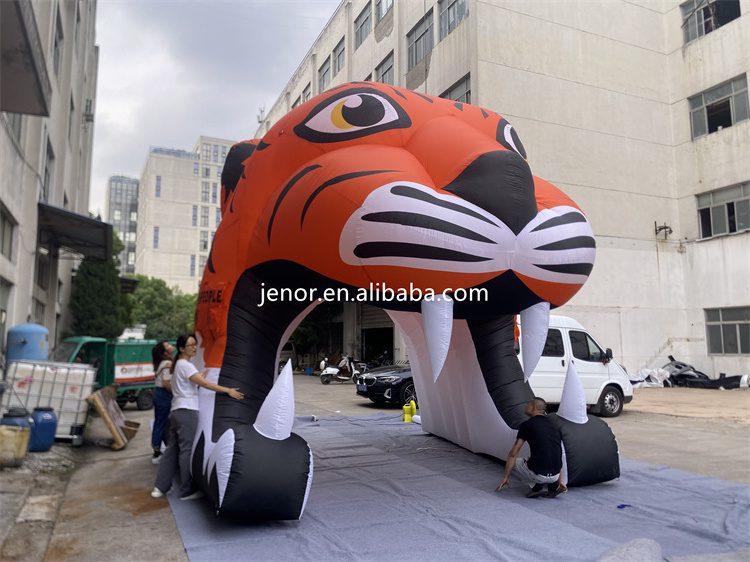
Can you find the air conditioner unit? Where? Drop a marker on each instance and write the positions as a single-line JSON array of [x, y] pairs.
[[88, 112]]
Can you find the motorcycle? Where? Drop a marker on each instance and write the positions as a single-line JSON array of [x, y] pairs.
[[346, 371]]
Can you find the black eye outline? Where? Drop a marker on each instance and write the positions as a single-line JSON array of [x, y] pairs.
[[313, 128], [506, 135]]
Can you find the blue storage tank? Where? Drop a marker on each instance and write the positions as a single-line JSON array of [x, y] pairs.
[[27, 342]]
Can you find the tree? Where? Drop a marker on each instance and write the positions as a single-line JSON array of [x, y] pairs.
[[166, 313], [96, 301]]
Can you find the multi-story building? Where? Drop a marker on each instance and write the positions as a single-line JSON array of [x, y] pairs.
[[49, 66], [637, 110], [122, 214], [178, 212]]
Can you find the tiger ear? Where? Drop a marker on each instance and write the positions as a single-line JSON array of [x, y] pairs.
[[234, 170]]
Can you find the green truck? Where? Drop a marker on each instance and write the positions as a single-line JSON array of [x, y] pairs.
[[127, 363]]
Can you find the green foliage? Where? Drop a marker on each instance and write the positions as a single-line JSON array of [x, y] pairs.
[[315, 332], [95, 300], [166, 313]]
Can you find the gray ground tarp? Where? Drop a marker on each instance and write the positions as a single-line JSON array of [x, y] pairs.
[[383, 490]]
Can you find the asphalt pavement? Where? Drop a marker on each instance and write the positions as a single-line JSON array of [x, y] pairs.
[[92, 503]]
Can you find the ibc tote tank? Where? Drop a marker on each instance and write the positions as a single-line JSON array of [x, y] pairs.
[[27, 342]]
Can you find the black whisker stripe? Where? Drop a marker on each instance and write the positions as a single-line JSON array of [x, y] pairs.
[[570, 244], [406, 191], [333, 181], [423, 97], [485, 114], [571, 268], [406, 250], [284, 191], [567, 218], [424, 221], [262, 145], [398, 93], [459, 106]]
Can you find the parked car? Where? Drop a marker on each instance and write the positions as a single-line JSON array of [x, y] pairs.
[[391, 384], [605, 382]]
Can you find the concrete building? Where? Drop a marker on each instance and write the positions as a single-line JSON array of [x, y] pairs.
[[122, 214], [637, 110], [178, 212], [49, 68]]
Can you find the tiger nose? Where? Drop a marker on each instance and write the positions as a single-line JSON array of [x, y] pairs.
[[501, 183]]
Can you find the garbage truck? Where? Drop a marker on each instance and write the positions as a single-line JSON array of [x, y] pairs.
[[125, 362]]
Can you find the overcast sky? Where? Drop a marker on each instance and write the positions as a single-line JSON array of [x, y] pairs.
[[171, 71]]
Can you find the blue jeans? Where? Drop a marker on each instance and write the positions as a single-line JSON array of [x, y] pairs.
[[162, 405]]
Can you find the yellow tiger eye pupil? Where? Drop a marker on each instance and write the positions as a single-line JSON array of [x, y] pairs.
[[337, 117]]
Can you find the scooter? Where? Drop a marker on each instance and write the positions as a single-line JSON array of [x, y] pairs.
[[328, 373]]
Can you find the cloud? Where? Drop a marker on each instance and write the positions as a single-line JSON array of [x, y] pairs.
[[170, 71]]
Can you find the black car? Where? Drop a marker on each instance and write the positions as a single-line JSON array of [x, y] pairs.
[[392, 384]]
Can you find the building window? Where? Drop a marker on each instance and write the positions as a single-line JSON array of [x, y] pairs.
[[460, 92], [218, 216], [70, 118], [700, 17], [719, 107], [204, 241], [306, 93], [15, 120], [223, 154], [196, 169], [49, 170], [297, 102], [156, 237], [324, 75], [381, 9], [218, 172], [362, 26], [452, 12], [57, 47], [214, 193], [39, 311], [339, 57], [724, 211], [204, 216], [116, 215], [202, 263], [130, 237], [158, 186], [728, 330], [206, 152], [195, 215], [216, 153], [42, 268], [7, 224], [205, 191], [131, 258], [192, 265], [133, 216], [419, 40], [78, 24], [206, 171], [384, 71]]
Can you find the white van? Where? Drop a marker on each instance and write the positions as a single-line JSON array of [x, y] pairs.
[[605, 382]]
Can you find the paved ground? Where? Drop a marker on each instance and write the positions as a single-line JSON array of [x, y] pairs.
[[102, 510]]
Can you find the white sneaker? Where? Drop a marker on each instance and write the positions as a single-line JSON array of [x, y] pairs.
[[156, 459], [157, 493]]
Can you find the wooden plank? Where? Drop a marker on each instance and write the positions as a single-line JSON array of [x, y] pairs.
[[122, 430]]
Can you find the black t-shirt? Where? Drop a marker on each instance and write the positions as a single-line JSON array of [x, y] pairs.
[[544, 439]]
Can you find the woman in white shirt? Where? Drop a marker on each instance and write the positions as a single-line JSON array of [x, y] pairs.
[[183, 420], [161, 353]]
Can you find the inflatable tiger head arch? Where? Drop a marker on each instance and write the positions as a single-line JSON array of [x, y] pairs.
[[372, 186]]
